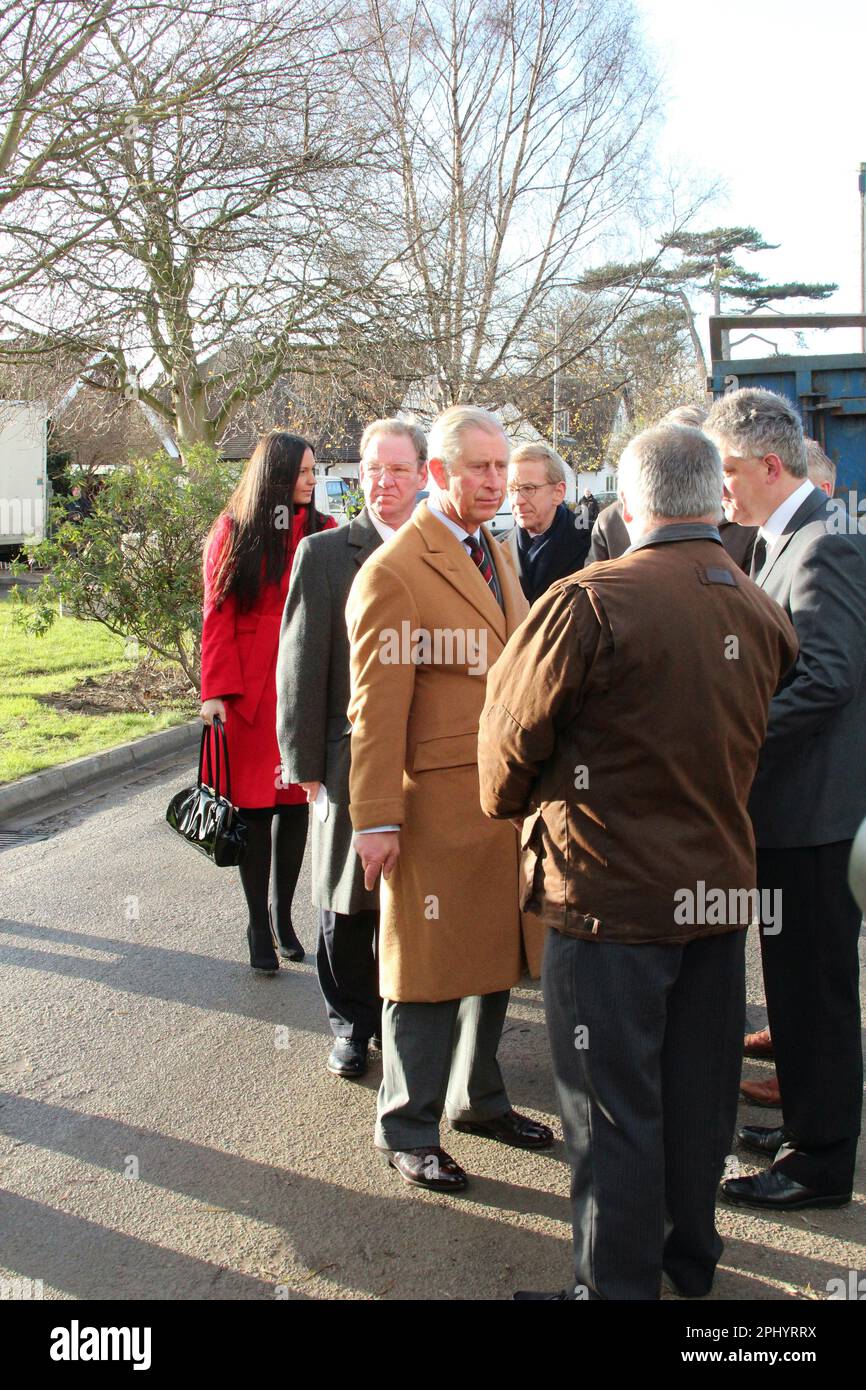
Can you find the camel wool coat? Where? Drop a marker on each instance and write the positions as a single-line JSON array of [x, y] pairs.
[[424, 629]]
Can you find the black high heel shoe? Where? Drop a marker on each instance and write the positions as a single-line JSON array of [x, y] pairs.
[[263, 958], [291, 949]]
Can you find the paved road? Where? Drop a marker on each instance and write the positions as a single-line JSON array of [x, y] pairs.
[[168, 1129]]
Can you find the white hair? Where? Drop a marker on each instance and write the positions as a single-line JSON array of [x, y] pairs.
[[821, 468], [693, 415], [445, 433], [671, 471]]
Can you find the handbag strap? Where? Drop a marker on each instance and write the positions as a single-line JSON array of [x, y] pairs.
[[220, 738], [205, 743]]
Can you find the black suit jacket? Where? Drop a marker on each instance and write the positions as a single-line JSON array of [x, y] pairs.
[[810, 787], [610, 538]]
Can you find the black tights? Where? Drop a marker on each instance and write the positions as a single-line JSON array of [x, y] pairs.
[[277, 840]]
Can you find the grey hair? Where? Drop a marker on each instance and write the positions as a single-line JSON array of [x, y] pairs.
[[554, 465], [392, 425], [755, 422], [445, 432], [693, 415], [671, 471], [820, 468]]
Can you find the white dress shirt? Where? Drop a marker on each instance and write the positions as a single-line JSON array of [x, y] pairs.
[[386, 532], [454, 526], [775, 524]]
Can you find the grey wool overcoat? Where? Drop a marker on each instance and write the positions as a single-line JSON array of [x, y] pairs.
[[313, 696]]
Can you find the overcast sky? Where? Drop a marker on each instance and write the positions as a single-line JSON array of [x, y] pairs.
[[770, 97]]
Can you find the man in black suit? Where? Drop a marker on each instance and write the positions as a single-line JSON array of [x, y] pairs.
[[314, 731], [610, 537], [549, 541], [808, 799], [822, 472]]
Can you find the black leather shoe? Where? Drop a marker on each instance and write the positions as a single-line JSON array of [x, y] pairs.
[[761, 1140], [426, 1167], [681, 1291], [529, 1296], [348, 1058], [263, 957], [777, 1192], [510, 1128]]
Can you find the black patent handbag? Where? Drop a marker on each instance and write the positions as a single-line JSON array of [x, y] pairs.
[[201, 815]]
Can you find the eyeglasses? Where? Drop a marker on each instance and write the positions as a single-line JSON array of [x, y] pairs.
[[398, 471], [527, 490]]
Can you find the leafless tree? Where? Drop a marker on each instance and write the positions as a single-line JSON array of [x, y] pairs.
[[518, 129], [59, 104], [234, 205]]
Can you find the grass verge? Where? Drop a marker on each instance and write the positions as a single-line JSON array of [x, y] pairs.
[[36, 729]]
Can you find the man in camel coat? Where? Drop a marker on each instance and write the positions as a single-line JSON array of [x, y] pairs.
[[428, 615]]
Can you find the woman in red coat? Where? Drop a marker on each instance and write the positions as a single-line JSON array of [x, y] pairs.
[[247, 563]]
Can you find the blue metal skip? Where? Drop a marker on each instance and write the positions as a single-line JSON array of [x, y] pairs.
[[829, 392]]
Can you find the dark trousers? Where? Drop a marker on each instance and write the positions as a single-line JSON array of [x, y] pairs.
[[646, 1043], [439, 1057], [348, 973], [812, 977]]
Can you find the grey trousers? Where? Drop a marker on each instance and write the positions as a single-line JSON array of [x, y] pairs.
[[646, 1043], [439, 1057]]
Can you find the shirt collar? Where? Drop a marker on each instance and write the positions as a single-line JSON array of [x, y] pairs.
[[453, 526], [386, 532], [776, 523], [677, 531]]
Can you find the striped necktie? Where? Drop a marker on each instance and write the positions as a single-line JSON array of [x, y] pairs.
[[479, 555]]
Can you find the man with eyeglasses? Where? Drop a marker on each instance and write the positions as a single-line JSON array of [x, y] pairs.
[[549, 541], [314, 731]]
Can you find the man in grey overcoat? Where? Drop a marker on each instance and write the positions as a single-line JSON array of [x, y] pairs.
[[314, 732]]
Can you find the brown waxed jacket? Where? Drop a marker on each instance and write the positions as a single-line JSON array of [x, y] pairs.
[[624, 720]]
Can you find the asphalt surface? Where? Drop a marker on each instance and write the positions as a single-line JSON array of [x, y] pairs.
[[168, 1129]]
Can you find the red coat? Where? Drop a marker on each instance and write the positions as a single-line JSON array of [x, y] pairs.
[[238, 665]]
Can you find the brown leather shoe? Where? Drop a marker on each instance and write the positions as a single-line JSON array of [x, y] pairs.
[[758, 1045], [764, 1093], [426, 1167]]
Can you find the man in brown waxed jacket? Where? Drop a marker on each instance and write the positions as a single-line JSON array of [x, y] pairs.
[[624, 720]]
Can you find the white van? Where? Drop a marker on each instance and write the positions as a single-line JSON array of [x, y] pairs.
[[503, 522], [331, 496], [23, 472]]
